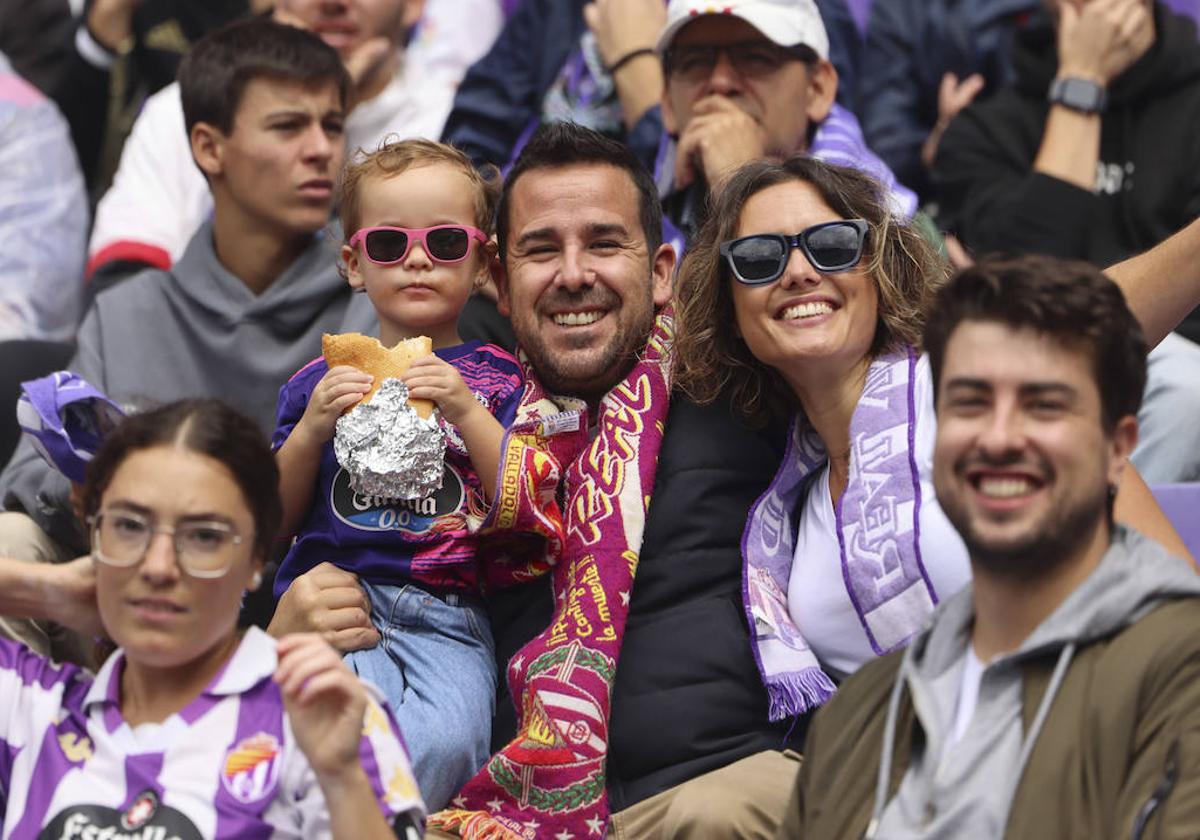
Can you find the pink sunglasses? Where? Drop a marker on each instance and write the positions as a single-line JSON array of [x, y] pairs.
[[443, 243]]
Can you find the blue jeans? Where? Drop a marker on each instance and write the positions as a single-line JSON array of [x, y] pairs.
[[436, 665]]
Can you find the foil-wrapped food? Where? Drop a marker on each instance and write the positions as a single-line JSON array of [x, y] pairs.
[[388, 449], [390, 445]]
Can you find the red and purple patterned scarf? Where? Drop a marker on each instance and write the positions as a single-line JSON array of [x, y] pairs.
[[550, 779]]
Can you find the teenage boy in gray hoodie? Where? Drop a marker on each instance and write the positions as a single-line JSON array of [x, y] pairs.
[[246, 305], [1059, 694]]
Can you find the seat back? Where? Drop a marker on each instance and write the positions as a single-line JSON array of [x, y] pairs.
[[1181, 504]]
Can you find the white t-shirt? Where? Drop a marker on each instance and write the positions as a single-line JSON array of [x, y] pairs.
[[968, 695], [817, 598]]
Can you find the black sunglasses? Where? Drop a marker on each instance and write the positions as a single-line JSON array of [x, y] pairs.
[[763, 257]]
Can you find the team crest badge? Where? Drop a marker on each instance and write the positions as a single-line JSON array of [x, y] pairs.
[[251, 767]]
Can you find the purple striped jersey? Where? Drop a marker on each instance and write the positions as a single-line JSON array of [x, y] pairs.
[[225, 766]]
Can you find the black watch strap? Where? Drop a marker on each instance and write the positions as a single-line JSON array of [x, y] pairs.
[[1078, 94]]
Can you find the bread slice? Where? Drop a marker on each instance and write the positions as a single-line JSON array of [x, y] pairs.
[[368, 355]]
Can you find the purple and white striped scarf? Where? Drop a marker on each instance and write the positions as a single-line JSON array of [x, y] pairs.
[[878, 529], [839, 140]]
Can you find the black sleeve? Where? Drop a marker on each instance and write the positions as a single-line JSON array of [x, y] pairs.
[[501, 95], [994, 200], [82, 94]]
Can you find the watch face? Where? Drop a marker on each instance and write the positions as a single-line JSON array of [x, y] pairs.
[[1082, 94], [1078, 94]]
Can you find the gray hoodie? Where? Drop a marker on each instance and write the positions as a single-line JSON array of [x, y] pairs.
[[966, 790], [193, 331]]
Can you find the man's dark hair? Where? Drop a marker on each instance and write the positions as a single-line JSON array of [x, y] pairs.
[[214, 74], [1072, 302], [557, 145]]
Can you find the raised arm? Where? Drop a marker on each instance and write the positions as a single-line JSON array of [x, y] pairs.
[[61, 592], [331, 717], [434, 379], [1162, 285], [1136, 506]]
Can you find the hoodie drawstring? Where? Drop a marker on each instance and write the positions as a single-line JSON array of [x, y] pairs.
[[889, 739], [893, 713]]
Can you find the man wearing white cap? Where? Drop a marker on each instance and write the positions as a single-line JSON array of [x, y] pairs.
[[744, 80]]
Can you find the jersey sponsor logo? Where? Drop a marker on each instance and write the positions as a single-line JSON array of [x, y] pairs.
[[145, 819], [251, 767], [141, 811], [412, 517]]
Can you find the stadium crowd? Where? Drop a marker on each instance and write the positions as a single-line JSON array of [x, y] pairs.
[[815, 389]]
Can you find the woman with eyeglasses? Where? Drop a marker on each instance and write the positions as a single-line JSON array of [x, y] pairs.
[[192, 728]]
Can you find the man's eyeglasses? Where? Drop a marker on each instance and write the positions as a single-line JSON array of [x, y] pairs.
[[752, 59], [763, 257], [443, 243], [202, 549]]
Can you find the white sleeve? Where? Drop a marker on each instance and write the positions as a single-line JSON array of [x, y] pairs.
[[443, 48], [383, 758], [158, 197]]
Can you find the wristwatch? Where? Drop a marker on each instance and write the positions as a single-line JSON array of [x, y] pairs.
[[1082, 95]]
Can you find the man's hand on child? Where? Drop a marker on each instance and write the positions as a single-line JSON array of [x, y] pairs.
[[338, 390], [431, 378], [328, 601]]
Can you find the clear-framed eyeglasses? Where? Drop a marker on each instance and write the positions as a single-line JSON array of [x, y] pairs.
[[203, 549]]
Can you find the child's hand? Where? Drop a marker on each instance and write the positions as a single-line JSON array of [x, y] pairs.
[[340, 388], [431, 378]]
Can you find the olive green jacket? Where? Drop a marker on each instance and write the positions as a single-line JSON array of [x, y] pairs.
[[1118, 757]]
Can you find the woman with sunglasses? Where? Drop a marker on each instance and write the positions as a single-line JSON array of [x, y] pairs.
[[805, 296], [418, 218], [847, 552], [192, 728]]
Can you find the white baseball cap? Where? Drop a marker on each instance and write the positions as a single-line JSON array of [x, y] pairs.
[[786, 22]]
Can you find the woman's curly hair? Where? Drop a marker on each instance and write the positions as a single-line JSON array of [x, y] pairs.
[[711, 359]]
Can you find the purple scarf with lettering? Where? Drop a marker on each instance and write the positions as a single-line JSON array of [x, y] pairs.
[[878, 530]]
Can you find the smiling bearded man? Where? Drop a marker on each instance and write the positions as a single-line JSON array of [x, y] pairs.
[[1055, 696]]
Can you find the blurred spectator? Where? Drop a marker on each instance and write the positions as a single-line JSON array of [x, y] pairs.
[[43, 216], [120, 52], [158, 197], [752, 80], [1101, 167], [925, 60], [551, 63], [246, 305], [36, 37]]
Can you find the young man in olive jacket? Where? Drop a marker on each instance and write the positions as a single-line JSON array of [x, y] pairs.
[[1059, 694]]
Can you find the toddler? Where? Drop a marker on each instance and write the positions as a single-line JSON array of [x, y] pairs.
[[418, 220]]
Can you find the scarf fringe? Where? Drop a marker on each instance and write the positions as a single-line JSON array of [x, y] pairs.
[[799, 691], [472, 825]]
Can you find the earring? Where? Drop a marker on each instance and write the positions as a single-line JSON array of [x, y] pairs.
[[256, 580]]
